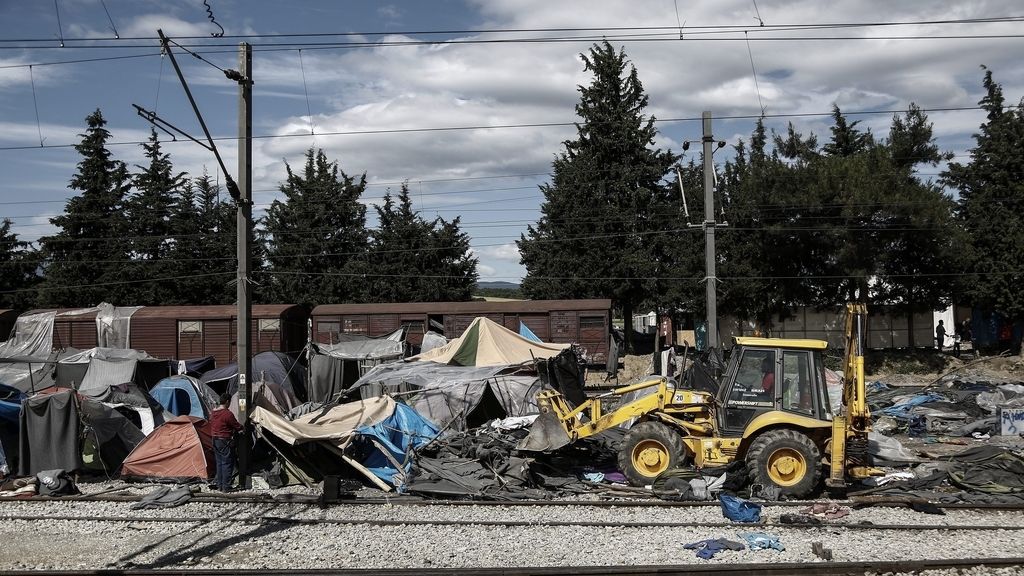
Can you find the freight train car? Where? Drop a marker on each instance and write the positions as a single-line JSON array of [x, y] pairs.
[[191, 331], [586, 322]]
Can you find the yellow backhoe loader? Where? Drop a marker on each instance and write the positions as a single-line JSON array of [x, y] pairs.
[[771, 410]]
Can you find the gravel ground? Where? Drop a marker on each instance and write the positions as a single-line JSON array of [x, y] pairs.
[[95, 544]]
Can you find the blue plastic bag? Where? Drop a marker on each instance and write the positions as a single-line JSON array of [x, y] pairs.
[[738, 509]]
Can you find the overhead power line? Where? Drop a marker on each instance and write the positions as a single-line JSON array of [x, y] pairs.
[[526, 125]]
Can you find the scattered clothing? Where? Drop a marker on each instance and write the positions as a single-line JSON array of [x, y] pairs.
[[799, 519], [890, 477], [14, 487], [827, 510], [706, 549], [760, 540], [164, 497], [738, 509], [56, 483]]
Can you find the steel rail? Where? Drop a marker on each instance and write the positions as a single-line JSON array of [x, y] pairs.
[[892, 501], [736, 569], [266, 519]]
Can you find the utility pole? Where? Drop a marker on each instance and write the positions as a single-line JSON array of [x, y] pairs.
[[709, 231], [244, 230]]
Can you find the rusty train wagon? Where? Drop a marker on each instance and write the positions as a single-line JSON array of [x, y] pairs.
[[585, 322], [193, 331]]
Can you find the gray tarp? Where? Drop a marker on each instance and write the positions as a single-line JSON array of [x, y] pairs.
[[445, 393], [32, 338], [335, 367], [49, 434], [102, 374], [113, 325]]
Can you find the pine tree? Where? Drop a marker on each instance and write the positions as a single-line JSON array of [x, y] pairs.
[[991, 206], [418, 261], [605, 195], [18, 263], [86, 258], [316, 238], [148, 211]]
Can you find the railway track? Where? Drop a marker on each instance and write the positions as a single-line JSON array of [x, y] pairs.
[[400, 500], [266, 519], [779, 569]]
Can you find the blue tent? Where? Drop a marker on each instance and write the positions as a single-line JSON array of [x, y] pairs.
[[525, 332], [398, 434], [10, 408], [184, 396]]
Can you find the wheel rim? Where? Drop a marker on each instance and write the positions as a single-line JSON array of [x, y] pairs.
[[786, 466], [650, 457]]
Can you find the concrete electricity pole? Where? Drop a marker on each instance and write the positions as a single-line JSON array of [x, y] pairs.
[[709, 231], [244, 230]]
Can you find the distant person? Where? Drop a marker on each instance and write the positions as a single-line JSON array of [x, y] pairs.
[[940, 336], [768, 380], [224, 426]]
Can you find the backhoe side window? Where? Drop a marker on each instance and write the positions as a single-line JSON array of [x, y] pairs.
[[797, 382]]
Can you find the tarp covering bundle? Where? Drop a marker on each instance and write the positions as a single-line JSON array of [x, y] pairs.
[[988, 469], [466, 394], [184, 395], [356, 347], [487, 343], [180, 451], [113, 325]]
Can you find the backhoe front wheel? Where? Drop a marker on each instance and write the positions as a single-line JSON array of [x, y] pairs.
[[787, 459], [649, 449]]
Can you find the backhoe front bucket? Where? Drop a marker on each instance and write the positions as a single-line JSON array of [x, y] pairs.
[[546, 434]]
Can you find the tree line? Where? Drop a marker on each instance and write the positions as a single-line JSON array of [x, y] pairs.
[[853, 217], [809, 223], [156, 236]]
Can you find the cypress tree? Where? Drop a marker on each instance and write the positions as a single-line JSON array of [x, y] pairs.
[[85, 259], [316, 237], [18, 263], [991, 206], [604, 198]]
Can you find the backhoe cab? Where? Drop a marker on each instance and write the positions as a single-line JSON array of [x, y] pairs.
[[772, 410]]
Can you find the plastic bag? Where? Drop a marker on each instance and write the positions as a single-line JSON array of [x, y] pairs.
[[738, 509]]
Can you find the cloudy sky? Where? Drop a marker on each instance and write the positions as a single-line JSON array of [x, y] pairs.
[[403, 90]]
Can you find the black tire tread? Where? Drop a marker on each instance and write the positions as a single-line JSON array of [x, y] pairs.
[[642, 431], [761, 445]]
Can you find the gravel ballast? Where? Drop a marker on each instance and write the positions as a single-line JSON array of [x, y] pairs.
[[213, 542]]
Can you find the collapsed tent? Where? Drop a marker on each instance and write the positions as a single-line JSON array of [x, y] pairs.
[[180, 451], [335, 367], [487, 343], [460, 396], [275, 367], [184, 396], [61, 431]]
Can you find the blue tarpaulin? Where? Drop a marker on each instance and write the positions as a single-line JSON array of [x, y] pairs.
[[398, 434], [902, 410], [525, 332]]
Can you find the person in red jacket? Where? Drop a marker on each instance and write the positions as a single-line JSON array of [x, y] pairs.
[[223, 429]]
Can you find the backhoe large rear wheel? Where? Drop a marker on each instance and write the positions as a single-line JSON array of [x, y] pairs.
[[787, 459], [649, 449]]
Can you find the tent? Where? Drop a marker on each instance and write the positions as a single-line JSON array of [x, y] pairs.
[[469, 395], [10, 410], [194, 367], [181, 451], [525, 332], [92, 372], [487, 343], [184, 395], [61, 430], [335, 367], [275, 367]]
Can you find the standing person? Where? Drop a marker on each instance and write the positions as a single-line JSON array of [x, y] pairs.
[[940, 336], [224, 426]]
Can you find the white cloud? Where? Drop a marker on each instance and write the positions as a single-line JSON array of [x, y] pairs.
[[507, 252]]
